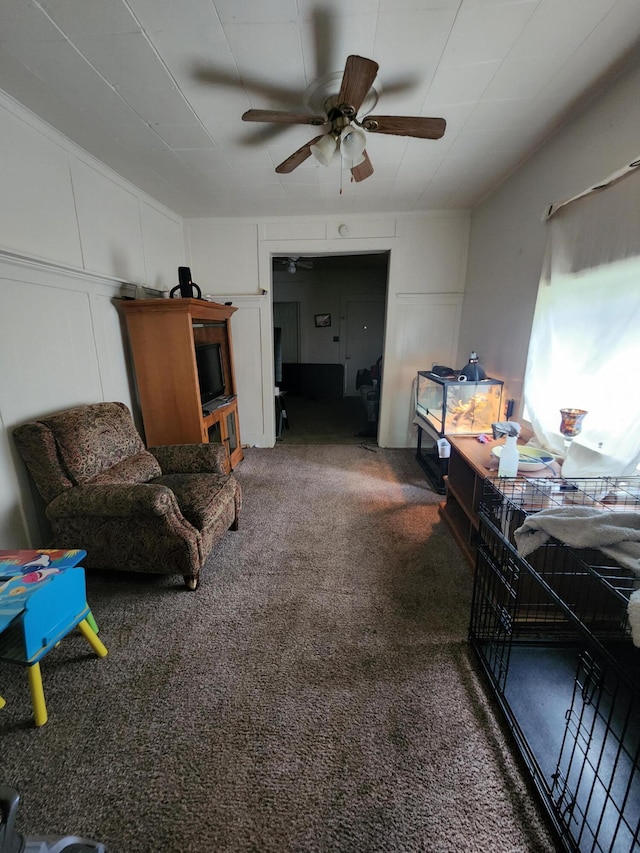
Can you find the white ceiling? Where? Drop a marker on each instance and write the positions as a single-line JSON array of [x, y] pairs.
[[156, 89]]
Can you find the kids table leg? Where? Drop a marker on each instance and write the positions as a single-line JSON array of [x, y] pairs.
[[35, 676], [92, 638], [37, 694], [92, 621]]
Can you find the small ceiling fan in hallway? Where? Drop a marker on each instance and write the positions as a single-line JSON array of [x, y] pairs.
[[292, 264], [346, 132]]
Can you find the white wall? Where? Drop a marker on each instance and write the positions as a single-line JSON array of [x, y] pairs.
[[74, 237], [508, 237], [232, 260]]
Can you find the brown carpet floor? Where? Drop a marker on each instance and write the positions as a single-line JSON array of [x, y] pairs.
[[315, 693]]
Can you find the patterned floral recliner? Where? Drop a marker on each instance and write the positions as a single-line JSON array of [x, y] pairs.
[[159, 510]]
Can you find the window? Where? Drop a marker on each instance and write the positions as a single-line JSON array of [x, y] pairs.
[[585, 342]]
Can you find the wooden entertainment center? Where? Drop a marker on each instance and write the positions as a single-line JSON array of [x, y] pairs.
[[163, 334]]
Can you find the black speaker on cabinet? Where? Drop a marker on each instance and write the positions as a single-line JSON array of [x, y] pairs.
[[187, 288]]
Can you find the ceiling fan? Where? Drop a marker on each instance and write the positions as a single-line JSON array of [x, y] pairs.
[[293, 264], [346, 132]]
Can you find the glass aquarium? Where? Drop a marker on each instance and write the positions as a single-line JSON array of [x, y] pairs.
[[453, 407]]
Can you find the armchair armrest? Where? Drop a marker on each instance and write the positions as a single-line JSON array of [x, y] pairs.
[[119, 500], [191, 458]]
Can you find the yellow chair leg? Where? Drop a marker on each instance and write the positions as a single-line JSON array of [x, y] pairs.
[[92, 622], [94, 641], [37, 694]]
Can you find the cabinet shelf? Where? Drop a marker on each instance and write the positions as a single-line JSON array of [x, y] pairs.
[[461, 503], [458, 523], [470, 465], [467, 470]]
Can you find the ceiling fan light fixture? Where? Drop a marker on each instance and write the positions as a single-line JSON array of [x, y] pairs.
[[349, 163], [291, 266], [352, 142], [324, 149]]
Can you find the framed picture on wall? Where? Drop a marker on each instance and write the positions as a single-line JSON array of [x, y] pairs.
[[323, 320]]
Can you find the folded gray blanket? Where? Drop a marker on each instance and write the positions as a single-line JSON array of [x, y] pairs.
[[616, 534]]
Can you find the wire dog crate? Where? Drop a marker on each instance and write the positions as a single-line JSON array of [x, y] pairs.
[[552, 635]]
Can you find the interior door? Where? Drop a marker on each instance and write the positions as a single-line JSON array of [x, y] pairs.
[[365, 339]]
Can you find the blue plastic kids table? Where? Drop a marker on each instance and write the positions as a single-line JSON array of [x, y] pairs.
[[42, 599]]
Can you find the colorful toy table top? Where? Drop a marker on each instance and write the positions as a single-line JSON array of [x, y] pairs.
[[42, 598], [42, 561]]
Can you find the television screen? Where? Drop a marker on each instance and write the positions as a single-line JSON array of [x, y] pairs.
[[210, 372]]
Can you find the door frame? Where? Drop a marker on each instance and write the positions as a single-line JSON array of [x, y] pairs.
[[324, 247]]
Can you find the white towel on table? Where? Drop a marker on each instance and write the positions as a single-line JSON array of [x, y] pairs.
[[633, 612], [616, 534]]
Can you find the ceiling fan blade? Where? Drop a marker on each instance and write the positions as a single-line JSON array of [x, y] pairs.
[[364, 170], [358, 77], [282, 116], [297, 157], [423, 128]]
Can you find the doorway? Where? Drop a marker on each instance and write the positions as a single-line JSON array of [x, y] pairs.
[[329, 313]]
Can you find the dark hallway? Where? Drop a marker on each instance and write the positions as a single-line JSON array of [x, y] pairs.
[[342, 421]]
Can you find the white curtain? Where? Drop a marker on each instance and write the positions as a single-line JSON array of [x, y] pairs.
[[585, 344]]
